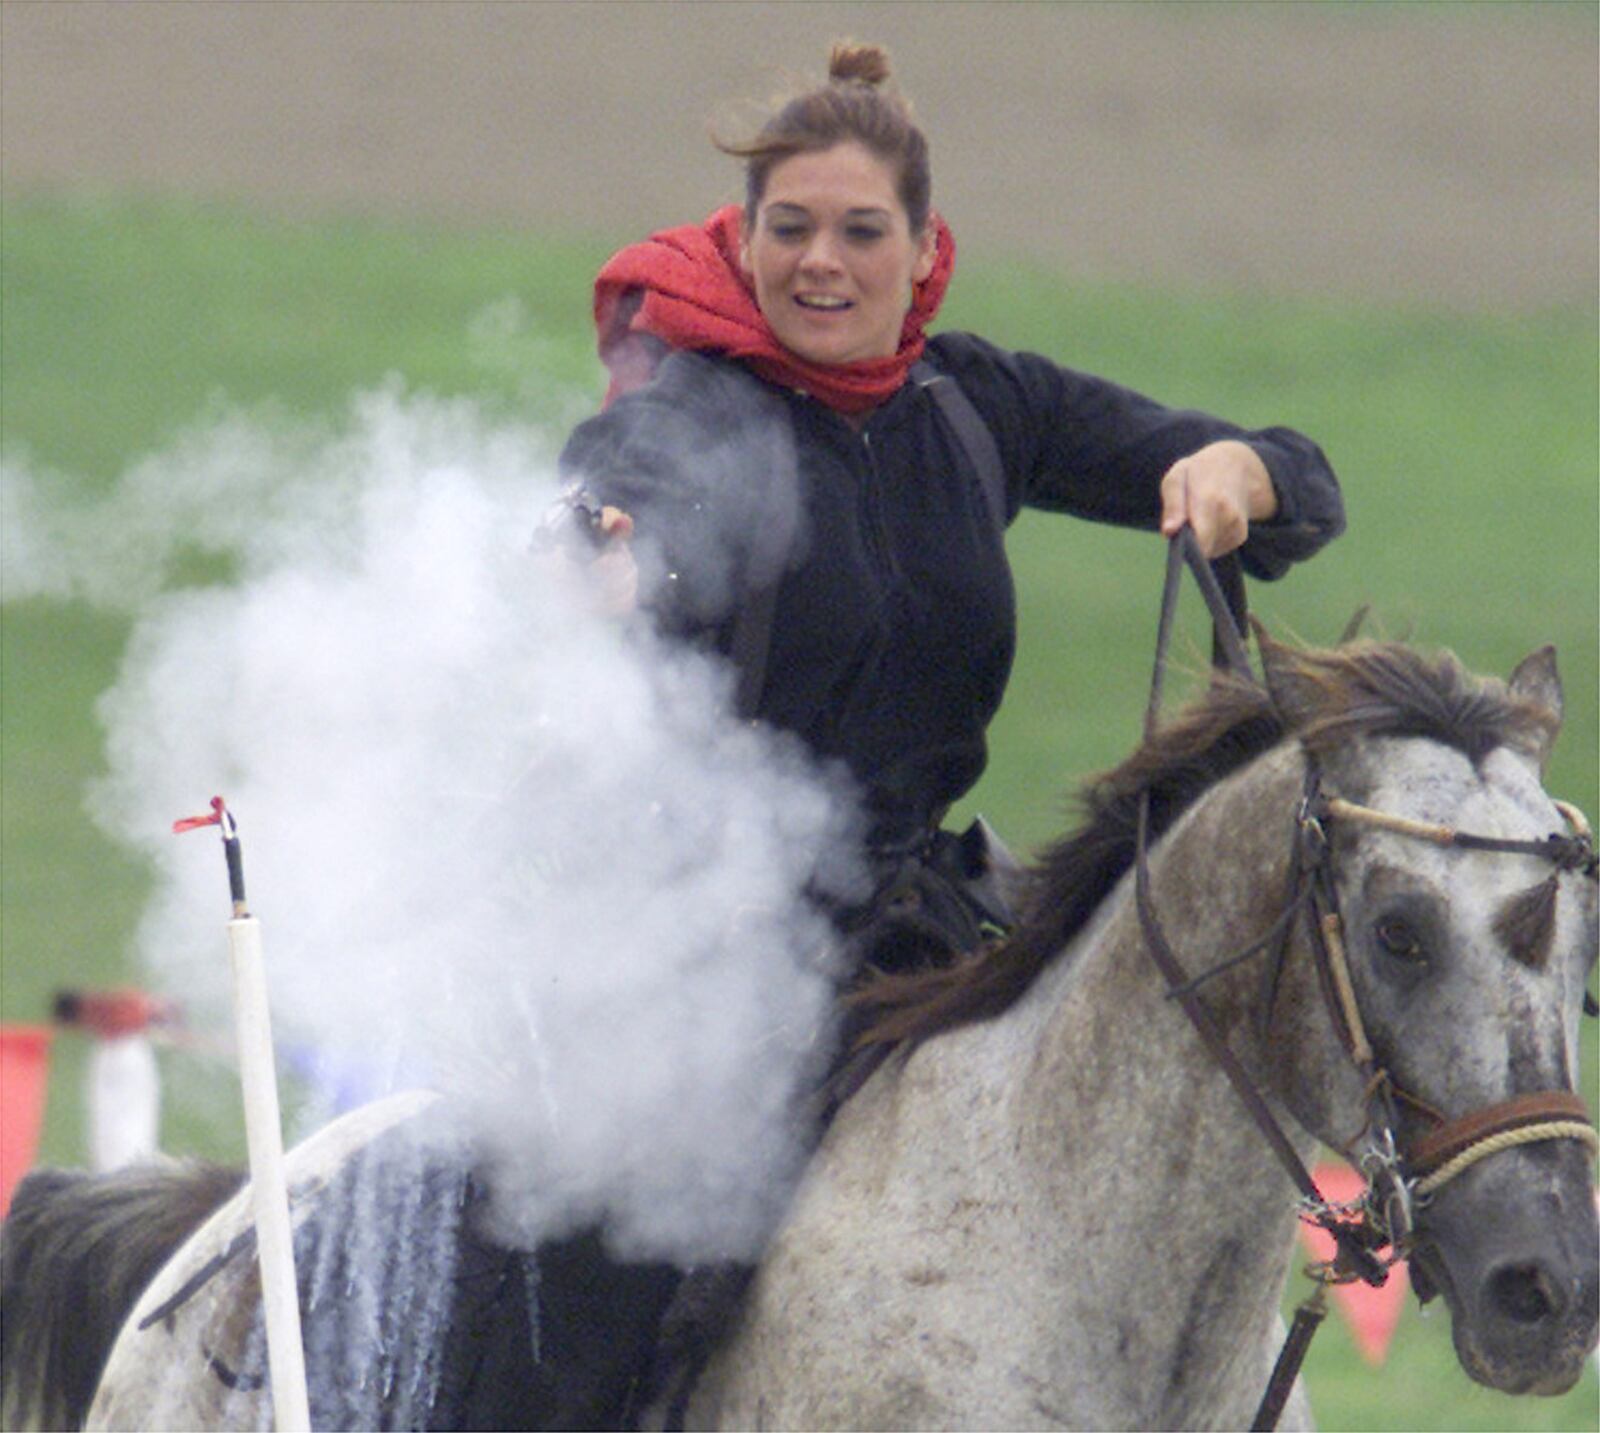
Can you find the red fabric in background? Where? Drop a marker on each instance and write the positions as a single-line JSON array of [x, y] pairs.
[[683, 288], [24, 1073]]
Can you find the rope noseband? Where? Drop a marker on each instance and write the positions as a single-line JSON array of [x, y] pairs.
[[1441, 1154]]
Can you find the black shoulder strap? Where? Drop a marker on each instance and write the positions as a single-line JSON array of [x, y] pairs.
[[752, 629], [971, 432]]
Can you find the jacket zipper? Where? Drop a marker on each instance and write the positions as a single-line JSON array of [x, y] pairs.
[[872, 511]]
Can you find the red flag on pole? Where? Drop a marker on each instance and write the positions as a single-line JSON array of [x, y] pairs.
[[24, 1072], [1371, 1313]]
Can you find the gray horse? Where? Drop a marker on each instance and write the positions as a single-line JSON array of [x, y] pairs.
[[1061, 1217], [1048, 1207]]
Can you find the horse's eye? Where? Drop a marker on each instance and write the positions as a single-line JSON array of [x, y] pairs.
[[1399, 938]]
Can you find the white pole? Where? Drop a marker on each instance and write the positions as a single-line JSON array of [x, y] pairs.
[[269, 1187]]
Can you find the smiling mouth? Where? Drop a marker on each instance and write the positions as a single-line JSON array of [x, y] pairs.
[[823, 303]]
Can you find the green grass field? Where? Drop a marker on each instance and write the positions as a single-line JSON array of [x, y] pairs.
[[1467, 446]]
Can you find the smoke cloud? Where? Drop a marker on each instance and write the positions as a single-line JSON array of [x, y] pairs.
[[500, 844]]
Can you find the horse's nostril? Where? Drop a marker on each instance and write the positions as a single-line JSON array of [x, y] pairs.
[[1524, 1293]]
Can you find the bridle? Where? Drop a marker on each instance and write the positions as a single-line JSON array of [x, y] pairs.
[[1400, 1180]]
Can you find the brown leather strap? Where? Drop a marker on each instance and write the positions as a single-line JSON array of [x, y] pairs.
[[1442, 1145], [1230, 648], [1179, 986], [1307, 1320]]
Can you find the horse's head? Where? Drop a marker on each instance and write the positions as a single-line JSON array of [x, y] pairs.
[[1468, 967]]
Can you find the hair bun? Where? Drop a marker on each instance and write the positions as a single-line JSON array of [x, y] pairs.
[[851, 60]]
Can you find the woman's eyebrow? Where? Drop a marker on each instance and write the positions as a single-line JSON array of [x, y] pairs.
[[862, 211]]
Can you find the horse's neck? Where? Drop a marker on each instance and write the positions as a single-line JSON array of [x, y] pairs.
[[1098, 1034], [1149, 1215]]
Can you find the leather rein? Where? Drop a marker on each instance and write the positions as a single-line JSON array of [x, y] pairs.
[[1399, 1180]]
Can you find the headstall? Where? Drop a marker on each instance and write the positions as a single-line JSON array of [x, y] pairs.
[[1407, 1177]]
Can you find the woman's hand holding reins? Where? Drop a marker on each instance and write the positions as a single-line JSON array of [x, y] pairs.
[[1219, 490]]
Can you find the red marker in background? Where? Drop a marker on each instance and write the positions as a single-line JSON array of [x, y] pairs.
[[123, 1083]]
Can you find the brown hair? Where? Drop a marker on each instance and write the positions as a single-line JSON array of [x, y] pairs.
[[852, 105]]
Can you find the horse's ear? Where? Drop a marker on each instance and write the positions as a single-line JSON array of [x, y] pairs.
[[1292, 692], [1536, 680]]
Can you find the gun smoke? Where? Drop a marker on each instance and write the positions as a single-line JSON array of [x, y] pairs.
[[501, 844]]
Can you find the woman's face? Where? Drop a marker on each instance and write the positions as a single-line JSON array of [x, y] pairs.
[[832, 257]]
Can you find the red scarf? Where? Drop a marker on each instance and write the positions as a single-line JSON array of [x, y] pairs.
[[684, 288]]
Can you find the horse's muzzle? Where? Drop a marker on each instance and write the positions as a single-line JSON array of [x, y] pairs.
[[1516, 1251]]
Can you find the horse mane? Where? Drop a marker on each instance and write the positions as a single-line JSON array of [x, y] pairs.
[[76, 1251], [1321, 697]]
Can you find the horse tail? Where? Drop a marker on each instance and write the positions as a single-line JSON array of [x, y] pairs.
[[76, 1251]]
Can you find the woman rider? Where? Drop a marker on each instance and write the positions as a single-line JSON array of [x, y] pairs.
[[776, 475], [774, 454]]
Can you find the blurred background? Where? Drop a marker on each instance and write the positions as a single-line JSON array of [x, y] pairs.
[[1407, 153], [1373, 222]]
